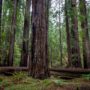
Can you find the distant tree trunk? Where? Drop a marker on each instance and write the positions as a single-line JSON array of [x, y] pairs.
[[51, 61], [25, 48], [75, 49], [68, 31], [84, 26], [12, 35], [47, 6], [60, 37], [39, 57], [0, 30]]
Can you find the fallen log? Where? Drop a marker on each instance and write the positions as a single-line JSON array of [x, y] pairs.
[[71, 70], [61, 70], [69, 73], [6, 69]]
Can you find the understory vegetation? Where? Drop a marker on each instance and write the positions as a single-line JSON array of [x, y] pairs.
[[21, 81]]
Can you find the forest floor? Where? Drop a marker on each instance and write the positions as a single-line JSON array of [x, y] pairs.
[[21, 81]]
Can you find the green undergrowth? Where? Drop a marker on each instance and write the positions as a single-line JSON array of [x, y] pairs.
[[21, 81], [86, 76]]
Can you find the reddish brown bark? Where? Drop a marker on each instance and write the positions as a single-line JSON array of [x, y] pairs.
[[39, 58]]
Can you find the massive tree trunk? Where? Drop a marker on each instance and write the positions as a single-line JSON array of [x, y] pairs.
[[39, 57], [25, 47], [84, 26], [12, 35], [0, 29], [75, 49], [68, 31]]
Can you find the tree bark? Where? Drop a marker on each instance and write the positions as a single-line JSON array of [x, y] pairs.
[[39, 57], [84, 26], [25, 47], [60, 37], [0, 31], [68, 31], [75, 49], [12, 35]]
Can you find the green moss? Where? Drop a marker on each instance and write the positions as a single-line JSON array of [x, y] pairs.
[[21, 81], [86, 76]]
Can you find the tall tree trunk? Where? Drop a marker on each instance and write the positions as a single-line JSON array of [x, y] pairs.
[[0, 30], [25, 48], [47, 6], [12, 35], [75, 49], [68, 31], [84, 26], [39, 60], [60, 37]]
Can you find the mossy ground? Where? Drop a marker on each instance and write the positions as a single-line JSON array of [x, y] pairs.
[[21, 81]]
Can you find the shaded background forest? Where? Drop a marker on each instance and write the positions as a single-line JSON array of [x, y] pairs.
[[57, 36]]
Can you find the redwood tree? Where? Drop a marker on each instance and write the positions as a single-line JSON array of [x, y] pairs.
[[39, 60], [86, 41], [0, 28], [75, 49], [12, 34], [0, 18], [68, 31], [25, 46]]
